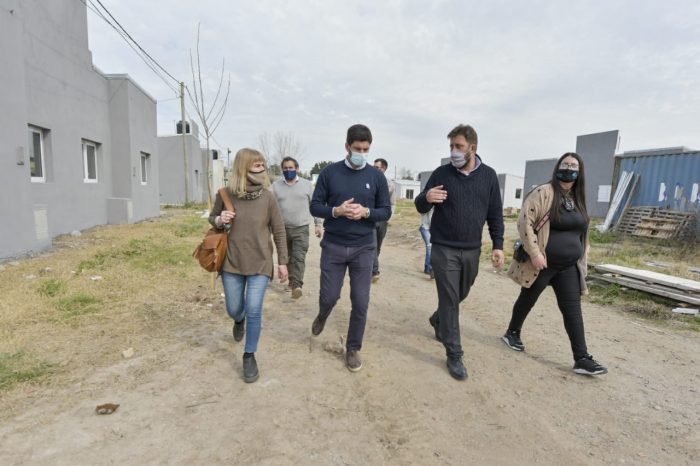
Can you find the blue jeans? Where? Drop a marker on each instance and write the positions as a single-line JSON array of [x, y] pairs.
[[425, 233], [244, 299]]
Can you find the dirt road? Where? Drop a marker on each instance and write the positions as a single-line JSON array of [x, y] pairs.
[[188, 404]]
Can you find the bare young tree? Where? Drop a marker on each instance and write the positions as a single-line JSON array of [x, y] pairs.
[[288, 145], [405, 173], [263, 143], [210, 118], [277, 146]]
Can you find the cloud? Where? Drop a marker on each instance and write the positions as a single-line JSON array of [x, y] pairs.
[[529, 76]]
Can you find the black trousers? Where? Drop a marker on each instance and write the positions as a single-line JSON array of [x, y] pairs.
[[567, 289], [379, 234], [455, 272]]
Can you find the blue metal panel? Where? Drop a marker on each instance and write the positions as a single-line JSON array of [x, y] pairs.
[[670, 182]]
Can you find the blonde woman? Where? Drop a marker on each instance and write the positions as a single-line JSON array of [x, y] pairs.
[[248, 267]]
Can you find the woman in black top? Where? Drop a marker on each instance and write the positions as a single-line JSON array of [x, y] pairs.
[[560, 264]]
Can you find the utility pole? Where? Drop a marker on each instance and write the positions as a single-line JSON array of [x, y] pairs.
[[184, 142]]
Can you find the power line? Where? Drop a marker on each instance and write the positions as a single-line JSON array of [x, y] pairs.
[[124, 35], [137, 44], [99, 14]]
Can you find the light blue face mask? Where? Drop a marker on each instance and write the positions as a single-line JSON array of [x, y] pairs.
[[357, 159]]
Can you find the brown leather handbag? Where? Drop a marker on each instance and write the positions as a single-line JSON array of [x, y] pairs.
[[211, 252]]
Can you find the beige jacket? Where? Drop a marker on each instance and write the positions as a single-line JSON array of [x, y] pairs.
[[537, 203]]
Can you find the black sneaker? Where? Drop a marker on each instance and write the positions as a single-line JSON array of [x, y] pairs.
[[425, 270], [457, 368], [589, 366], [250, 368], [436, 326], [432, 275], [512, 339], [239, 330]]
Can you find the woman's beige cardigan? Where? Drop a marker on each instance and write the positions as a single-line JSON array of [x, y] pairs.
[[537, 203]]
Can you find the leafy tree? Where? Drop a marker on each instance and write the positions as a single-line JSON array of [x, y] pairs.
[[318, 166]]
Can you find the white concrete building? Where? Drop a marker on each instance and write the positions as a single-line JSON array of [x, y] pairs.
[[407, 189], [511, 190], [77, 146]]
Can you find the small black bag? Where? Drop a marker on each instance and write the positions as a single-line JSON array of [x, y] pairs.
[[519, 253]]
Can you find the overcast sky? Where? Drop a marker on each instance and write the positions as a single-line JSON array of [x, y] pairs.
[[529, 76]]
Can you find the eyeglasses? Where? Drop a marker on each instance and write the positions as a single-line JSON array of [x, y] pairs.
[[573, 166]]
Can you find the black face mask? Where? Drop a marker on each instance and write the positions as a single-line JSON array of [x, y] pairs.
[[567, 176]]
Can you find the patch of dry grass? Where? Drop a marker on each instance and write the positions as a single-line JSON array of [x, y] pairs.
[[635, 252], [68, 319]]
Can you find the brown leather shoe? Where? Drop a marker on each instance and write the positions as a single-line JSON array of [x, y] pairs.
[[317, 326], [352, 359], [297, 292]]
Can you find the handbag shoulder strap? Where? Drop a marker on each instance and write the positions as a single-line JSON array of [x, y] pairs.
[[226, 198], [223, 192], [542, 222]]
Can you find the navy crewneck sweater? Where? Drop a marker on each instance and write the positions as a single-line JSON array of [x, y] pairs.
[[471, 201], [336, 184]]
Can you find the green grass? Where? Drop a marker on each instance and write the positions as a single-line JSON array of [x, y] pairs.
[[189, 205], [77, 305], [149, 253], [602, 238], [648, 306], [51, 288], [613, 293], [19, 367], [192, 227], [98, 262]]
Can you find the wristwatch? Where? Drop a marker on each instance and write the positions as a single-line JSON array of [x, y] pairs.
[[367, 214]]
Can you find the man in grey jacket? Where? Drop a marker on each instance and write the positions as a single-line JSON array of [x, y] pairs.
[[294, 197]]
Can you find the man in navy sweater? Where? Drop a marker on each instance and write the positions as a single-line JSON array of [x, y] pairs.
[[465, 195], [351, 196]]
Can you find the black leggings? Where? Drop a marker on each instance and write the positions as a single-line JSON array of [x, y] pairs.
[[567, 289]]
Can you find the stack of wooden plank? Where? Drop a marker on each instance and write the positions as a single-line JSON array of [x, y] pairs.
[[663, 224], [633, 216], [652, 222], [668, 286]]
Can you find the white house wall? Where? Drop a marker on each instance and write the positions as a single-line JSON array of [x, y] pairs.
[[509, 186]]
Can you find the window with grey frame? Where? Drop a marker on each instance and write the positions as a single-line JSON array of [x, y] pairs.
[[409, 194], [89, 162], [145, 162], [37, 162]]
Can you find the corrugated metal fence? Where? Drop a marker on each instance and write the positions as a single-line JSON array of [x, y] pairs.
[[670, 182]]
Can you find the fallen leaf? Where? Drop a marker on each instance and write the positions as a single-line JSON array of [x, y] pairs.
[[107, 408]]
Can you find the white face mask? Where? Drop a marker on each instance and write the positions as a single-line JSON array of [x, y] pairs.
[[460, 159]]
